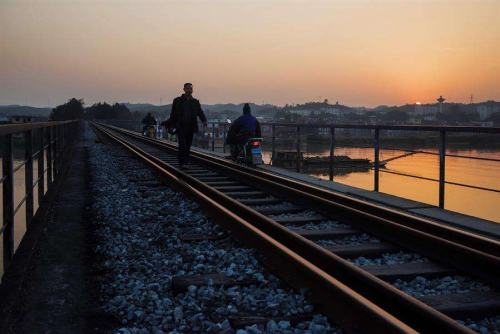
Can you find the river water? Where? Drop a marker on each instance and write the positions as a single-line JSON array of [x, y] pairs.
[[475, 202], [19, 194]]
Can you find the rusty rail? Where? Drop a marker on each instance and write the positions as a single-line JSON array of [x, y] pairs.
[[412, 312]]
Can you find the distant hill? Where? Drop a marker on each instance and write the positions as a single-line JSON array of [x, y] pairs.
[[147, 107], [236, 107], [17, 110], [142, 107]]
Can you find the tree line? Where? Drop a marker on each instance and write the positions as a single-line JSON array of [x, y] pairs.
[[452, 114], [75, 109]]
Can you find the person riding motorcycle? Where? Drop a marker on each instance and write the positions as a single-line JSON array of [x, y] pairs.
[[147, 121], [243, 128]]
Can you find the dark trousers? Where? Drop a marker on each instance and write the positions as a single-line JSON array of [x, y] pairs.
[[235, 150], [184, 139]]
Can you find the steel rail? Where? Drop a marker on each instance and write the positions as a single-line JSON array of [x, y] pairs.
[[410, 310], [473, 260], [344, 202], [337, 300]]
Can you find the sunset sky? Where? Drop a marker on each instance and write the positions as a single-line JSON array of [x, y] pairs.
[[273, 51]]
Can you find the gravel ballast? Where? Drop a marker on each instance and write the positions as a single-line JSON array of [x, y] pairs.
[[421, 286], [352, 240], [283, 206], [324, 225], [483, 326], [390, 259], [305, 213], [139, 226]]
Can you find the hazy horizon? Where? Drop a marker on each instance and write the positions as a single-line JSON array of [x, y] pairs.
[[361, 53], [239, 103]]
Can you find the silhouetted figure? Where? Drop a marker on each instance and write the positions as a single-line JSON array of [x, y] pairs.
[[243, 128], [148, 121], [183, 117]]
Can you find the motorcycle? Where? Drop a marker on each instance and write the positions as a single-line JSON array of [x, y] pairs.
[[251, 152]]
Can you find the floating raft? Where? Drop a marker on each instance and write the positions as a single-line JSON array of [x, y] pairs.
[[288, 159]]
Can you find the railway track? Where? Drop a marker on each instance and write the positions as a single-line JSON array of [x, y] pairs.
[[355, 257]]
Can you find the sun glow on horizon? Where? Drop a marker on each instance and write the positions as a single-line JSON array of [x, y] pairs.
[[361, 53]]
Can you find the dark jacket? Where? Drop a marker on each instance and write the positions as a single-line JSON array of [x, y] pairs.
[[149, 120], [244, 127], [179, 120]]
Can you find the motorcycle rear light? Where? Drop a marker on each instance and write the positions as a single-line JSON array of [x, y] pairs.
[[255, 143]]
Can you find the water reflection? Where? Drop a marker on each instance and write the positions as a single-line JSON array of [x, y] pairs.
[[19, 195], [469, 201]]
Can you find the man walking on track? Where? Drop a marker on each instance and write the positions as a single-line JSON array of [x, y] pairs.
[[183, 117]]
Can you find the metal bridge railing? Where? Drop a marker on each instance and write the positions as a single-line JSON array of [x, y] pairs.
[[47, 144], [215, 136], [218, 129]]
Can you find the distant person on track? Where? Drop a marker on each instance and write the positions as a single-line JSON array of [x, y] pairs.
[[183, 118], [147, 121], [243, 128]]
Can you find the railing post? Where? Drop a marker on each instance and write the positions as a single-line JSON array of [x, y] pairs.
[[8, 199], [442, 160], [224, 139], [332, 152], [28, 174], [63, 143], [299, 160], [41, 167], [377, 159], [57, 143], [50, 176], [213, 136], [273, 140], [61, 147]]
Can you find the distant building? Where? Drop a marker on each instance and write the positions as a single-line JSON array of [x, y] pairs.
[[425, 109], [483, 124], [429, 117], [21, 119], [330, 110], [412, 120], [301, 112], [485, 110]]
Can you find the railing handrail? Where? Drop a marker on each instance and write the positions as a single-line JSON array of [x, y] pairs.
[[6, 129], [407, 127], [441, 130], [447, 128], [47, 143]]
